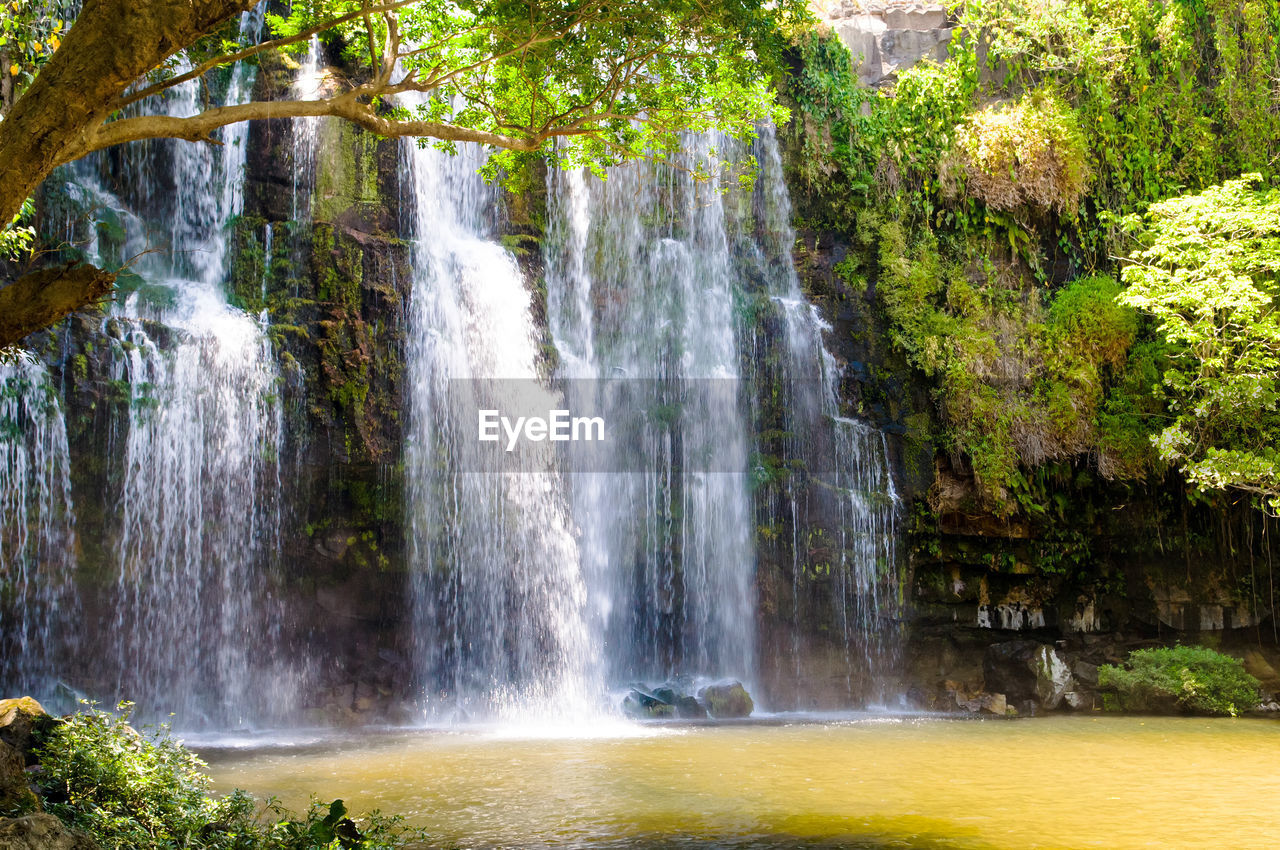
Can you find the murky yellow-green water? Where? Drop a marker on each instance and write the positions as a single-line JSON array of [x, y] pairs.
[[1060, 782]]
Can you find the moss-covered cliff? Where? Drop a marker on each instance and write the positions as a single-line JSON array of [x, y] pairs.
[[960, 222]]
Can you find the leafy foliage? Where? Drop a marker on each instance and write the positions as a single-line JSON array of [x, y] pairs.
[[1209, 274], [132, 790], [17, 238], [1029, 154], [985, 197], [609, 81], [1192, 678], [30, 31], [1019, 382]]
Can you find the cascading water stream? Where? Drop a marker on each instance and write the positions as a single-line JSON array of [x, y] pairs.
[[848, 460], [640, 284], [190, 626], [657, 284], [307, 85], [497, 593], [533, 591], [37, 528]]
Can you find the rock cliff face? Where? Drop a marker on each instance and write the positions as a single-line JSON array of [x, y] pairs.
[[998, 614], [885, 36], [1017, 612]]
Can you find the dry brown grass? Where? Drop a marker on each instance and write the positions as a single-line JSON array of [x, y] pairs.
[[1026, 154]]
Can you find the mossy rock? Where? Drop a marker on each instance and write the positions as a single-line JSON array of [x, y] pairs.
[[646, 706], [726, 700], [41, 832], [21, 720]]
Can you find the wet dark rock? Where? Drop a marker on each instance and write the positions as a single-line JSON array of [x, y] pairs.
[[686, 705], [643, 705], [725, 700], [1027, 671], [1082, 700], [1087, 673]]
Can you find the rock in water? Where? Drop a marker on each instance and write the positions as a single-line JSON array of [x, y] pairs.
[[41, 832], [1053, 677], [686, 705], [646, 706], [1026, 670], [725, 700]]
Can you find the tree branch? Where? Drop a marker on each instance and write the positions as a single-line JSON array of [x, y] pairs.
[[35, 301], [199, 128], [252, 50]]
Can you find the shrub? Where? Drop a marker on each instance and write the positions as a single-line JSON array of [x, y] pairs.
[[1030, 153], [1193, 679], [145, 791]]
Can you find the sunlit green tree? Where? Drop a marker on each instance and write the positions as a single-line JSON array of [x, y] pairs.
[[1209, 274], [580, 81]]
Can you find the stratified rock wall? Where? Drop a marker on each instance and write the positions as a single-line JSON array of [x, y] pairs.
[[886, 36]]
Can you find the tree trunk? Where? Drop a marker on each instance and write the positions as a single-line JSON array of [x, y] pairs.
[[37, 300]]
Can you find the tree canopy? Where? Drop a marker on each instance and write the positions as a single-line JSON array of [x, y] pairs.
[[1209, 274], [583, 82]]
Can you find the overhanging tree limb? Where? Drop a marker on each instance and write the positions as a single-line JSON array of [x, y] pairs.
[[617, 76], [111, 45], [41, 298], [199, 128]]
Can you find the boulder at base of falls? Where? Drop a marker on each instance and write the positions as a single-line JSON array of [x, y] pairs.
[[642, 705], [16, 795], [686, 705], [41, 832], [725, 700], [20, 719], [1028, 671]]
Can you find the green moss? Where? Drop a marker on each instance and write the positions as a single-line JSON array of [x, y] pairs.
[[982, 197], [346, 171]]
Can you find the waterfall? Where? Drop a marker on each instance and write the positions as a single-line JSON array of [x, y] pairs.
[[498, 596], [658, 286], [641, 299], [539, 580], [189, 623], [847, 460], [308, 85], [37, 527], [198, 517]]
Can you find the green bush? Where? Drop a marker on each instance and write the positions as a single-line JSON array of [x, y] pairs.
[[145, 791], [1030, 152], [1193, 679]]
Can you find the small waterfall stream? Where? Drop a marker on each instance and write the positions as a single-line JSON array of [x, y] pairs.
[[850, 493], [498, 598], [37, 528], [641, 290]]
